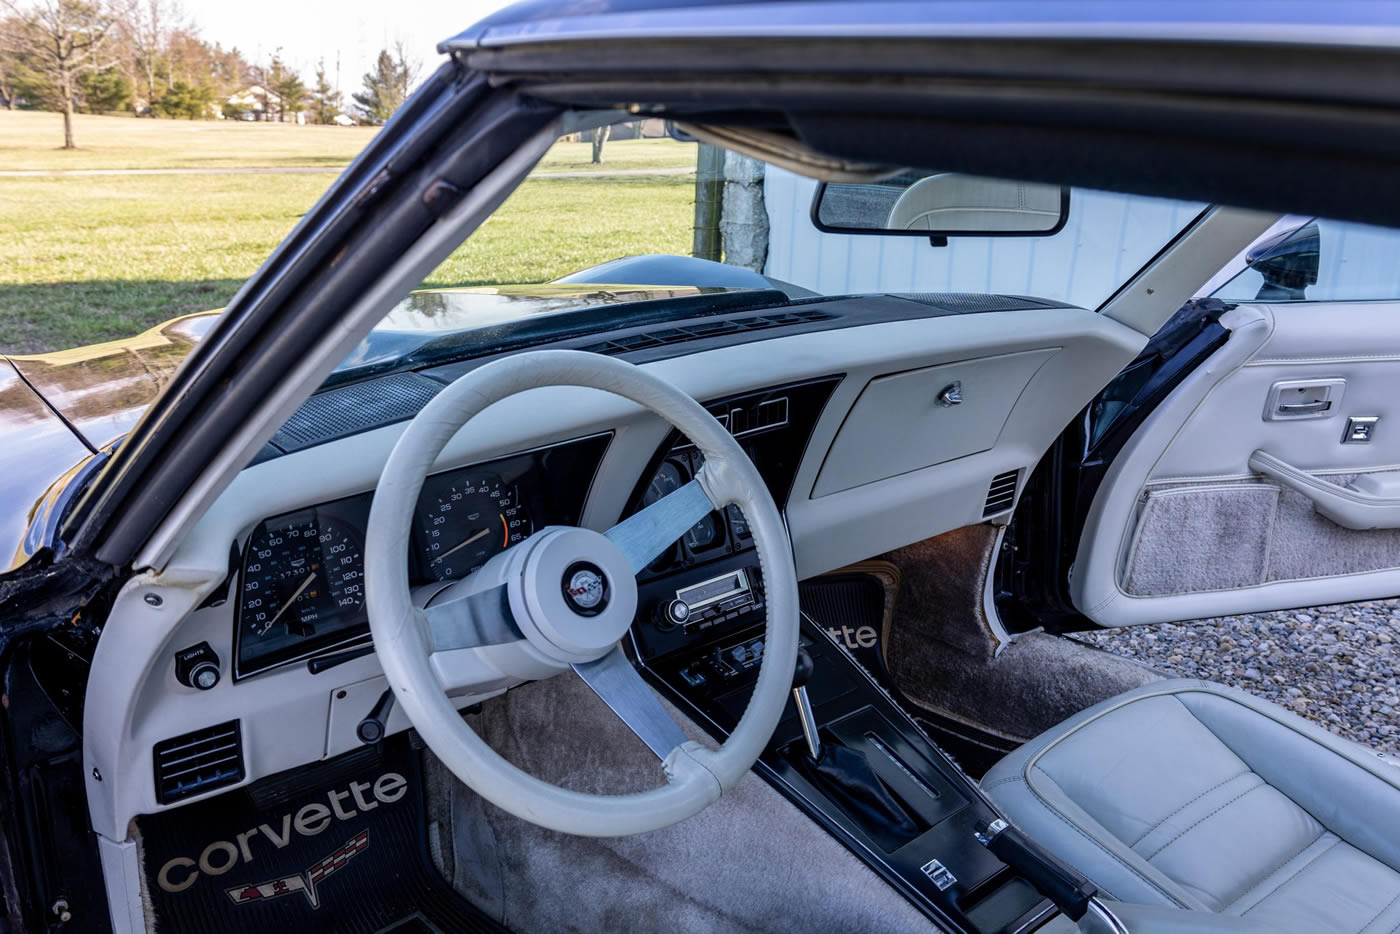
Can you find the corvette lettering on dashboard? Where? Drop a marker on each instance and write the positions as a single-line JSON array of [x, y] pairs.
[[221, 856]]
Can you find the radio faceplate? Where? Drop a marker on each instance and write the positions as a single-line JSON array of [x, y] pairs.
[[713, 601]]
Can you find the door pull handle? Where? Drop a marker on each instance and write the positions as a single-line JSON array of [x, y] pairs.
[[1303, 408]]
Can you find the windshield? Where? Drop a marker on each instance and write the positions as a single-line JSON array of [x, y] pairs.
[[670, 227], [641, 229]]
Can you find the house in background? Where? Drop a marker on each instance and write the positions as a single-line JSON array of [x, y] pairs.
[[259, 104]]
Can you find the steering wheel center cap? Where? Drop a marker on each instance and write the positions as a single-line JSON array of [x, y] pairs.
[[575, 596], [585, 588]]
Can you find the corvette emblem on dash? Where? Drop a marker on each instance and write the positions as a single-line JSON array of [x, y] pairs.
[[305, 882]]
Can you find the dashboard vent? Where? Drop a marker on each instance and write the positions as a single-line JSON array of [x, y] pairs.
[[975, 303], [1001, 494], [198, 762], [771, 413], [661, 337]]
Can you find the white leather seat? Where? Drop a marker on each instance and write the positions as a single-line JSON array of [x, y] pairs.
[[1202, 798]]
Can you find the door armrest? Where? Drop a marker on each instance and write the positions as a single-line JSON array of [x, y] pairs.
[[1373, 502]]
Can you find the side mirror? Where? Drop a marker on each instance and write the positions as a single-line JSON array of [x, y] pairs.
[[941, 205], [1288, 262]]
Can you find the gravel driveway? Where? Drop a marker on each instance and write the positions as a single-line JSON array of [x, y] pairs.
[[1337, 665]]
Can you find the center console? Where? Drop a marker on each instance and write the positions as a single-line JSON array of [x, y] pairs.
[[876, 781]]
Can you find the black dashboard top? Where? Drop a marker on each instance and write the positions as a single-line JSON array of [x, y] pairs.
[[647, 332]]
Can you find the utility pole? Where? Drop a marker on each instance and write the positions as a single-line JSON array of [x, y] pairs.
[[709, 200]]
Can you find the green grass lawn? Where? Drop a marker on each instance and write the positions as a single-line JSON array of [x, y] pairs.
[[93, 258], [30, 140]]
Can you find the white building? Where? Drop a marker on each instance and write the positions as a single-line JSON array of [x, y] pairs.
[[1107, 237], [258, 103]]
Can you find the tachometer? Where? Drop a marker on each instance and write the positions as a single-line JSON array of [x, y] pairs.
[[303, 577], [462, 524]]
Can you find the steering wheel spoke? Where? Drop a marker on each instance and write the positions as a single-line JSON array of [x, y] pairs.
[[477, 619], [648, 533], [613, 679]]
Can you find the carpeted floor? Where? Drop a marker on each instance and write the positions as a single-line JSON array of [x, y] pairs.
[[749, 862], [941, 653]]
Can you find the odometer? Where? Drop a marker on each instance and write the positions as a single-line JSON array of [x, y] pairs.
[[303, 581], [465, 521]]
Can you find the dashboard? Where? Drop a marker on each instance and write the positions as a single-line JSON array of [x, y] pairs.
[[841, 422], [300, 589], [301, 586]]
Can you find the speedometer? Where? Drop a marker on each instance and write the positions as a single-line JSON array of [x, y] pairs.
[[304, 576], [466, 521]]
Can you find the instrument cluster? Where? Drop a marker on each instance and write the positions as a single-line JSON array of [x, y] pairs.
[[711, 535], [301, 589]]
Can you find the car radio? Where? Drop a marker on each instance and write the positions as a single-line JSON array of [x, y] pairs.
[[713, 601]]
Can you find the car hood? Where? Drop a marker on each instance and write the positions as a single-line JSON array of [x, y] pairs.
[[101, 390]]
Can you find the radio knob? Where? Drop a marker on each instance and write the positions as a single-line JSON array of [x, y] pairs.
[[677, 612]]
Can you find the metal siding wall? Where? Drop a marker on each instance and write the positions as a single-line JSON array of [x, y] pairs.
[[1108, 237]]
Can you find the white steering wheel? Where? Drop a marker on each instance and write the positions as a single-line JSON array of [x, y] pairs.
[[564, 598]]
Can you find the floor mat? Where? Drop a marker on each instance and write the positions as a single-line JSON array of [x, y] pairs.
[[337, 847]]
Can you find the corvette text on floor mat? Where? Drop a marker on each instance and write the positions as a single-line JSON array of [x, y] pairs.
[[221, 856]]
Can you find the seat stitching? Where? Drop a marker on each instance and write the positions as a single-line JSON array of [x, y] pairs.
[[1291, 876], [1002, 781], [1098, 843], [1188, 804], [1193, 826], [1363, 927]]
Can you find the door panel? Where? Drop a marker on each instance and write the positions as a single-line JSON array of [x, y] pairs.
[[1185, 526]]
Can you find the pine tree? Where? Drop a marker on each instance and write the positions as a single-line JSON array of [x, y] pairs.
[[387, 86], [325, 100], [286, 86]]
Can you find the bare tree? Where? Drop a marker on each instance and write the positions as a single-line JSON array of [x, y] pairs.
[[61, 40]]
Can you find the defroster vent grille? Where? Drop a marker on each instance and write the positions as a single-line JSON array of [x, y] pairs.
[[198, 762], [1001, 494], [715, 328]]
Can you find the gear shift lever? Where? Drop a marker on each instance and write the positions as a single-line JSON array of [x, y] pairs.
[[800, 676]]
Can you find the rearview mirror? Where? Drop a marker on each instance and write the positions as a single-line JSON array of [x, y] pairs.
[[941, 205]]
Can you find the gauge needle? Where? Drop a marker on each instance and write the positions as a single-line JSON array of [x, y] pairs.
[[292, 599], [475, 538]]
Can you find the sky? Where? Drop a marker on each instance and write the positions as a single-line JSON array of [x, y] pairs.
[[352, 30]]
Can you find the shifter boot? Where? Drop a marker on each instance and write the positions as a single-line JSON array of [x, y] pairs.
[[847, 779]]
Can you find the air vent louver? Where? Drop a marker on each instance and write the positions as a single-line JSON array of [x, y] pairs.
[[1001, 494], [692, 332], [198, 762]]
